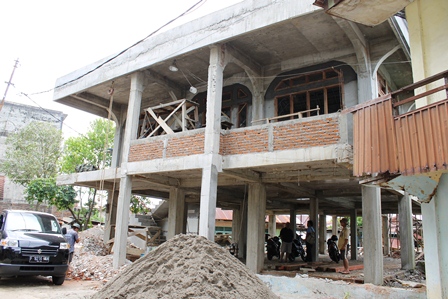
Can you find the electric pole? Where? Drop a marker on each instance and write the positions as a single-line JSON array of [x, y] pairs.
[[9, 83]]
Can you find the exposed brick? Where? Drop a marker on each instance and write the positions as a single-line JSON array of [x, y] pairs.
[[285, 136]]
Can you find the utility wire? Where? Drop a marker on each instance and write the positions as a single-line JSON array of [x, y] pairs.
[[125, 50]]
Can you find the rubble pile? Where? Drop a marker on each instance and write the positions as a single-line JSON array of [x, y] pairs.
[[93, 241], [186, 266], [92, 260]]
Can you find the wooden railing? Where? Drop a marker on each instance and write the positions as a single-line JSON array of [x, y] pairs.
[[298, 114]]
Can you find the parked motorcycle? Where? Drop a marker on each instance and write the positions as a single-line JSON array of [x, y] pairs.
[[273, 247], [333, 250], [297, 250]]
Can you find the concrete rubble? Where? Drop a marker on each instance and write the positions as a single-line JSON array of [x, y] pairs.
[[92, 259]]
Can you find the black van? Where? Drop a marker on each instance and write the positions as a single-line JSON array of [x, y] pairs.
[[31, 243]]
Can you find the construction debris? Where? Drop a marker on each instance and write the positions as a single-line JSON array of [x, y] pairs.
[[186, 266], [92, 260]]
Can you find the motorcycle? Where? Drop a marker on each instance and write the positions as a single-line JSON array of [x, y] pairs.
[[297, 250], [273, 247], [333, 250]]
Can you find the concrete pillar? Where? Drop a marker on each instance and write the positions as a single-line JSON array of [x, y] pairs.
[[371, 224], [292, 219], [335, 224], [314, 216], [256, 210], [211, 161], [118, 145], [435, 232], [242, 240], [386, 235], [176, 212], [322, 233], [272, 227], [353, 235], [407, 248], [124, 196], [236, 225], [111, 215]]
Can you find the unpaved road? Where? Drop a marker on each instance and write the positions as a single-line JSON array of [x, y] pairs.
[[39, 287]]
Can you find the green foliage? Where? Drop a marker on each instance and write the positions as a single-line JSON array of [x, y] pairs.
[[140, 204], [32, 153], [91, 149], [359, 221], [46, 191]]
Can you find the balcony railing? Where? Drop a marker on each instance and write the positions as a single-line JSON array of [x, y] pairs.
[[411, 143]]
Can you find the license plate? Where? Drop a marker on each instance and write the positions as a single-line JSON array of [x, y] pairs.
[[39, 259]]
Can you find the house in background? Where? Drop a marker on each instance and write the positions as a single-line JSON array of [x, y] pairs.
[[248, 109], [14, 117]]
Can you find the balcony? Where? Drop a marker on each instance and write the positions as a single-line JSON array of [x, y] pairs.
[[388, 144]]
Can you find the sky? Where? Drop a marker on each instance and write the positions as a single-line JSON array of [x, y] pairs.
[[52, 38]]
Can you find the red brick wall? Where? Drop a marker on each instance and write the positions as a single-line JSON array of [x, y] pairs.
[[286, 135], [176, 147], [244, 142], [307, 134]]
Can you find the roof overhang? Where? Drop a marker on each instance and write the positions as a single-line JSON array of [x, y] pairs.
[[366, 12]]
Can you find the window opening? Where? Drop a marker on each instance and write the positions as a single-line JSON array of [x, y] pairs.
[[321, 89], [242, 116]]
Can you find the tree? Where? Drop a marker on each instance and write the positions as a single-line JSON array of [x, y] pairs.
[[31, 160], [32, 153], [91, 149], [46, 191]]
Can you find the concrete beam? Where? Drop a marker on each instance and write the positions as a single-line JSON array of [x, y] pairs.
[[252, 68]]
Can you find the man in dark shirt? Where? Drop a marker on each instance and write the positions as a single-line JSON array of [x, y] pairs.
[[287, 236]]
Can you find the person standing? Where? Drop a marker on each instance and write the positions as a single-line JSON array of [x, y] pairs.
[[72, 237], [342, 244], [310, 240], [287, 236]]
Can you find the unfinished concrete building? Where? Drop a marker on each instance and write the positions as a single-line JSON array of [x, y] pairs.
[[254, 108]]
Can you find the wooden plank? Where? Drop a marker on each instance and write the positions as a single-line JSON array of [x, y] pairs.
[[392, 138], [422, 142], [160, 121]]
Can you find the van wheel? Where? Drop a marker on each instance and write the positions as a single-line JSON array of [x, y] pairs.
[[58, 280]]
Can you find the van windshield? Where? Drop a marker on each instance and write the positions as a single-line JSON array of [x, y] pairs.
[[21, 221]]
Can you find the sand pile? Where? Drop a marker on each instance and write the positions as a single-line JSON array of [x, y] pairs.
[[187, 266]]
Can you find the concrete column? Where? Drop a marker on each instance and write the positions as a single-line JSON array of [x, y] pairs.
[[292, 219], [256, 210], [386, 235], [212, 161], [407, 248], [314, 216], [118, 145], [176, 212], [236, 225], [371, 224], [242, 240], [322, 233], [353, 235], [124, 196], [335, 224], [272, 228], [435, 232], [111, 215]]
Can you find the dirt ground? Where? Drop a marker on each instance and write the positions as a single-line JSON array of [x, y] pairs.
[[286, 284], [40, 287]]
